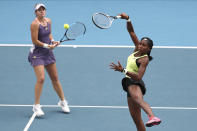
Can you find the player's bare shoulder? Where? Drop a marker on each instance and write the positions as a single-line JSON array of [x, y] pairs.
[[144, 60], [48, 20], [35, 24]]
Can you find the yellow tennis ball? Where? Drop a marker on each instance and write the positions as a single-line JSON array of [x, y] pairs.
[[66, 26]]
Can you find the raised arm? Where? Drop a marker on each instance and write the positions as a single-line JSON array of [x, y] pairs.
[[130, 30]]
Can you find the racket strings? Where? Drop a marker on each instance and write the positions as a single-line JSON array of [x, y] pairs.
[[75, 30], [102, 20]]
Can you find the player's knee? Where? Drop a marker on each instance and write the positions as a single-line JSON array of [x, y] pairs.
[[41, 80], [54, 78]]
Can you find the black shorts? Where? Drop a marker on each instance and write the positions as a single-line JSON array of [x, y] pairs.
[[126, 82]]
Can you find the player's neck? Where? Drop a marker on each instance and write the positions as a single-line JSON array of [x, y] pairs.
[[41, 19], [140, 53]]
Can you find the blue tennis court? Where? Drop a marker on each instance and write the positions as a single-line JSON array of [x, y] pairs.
[[94, 93], [93, 90]]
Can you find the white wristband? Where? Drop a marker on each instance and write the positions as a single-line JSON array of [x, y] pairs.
[[46, 46], [129, 20], [125, 71]]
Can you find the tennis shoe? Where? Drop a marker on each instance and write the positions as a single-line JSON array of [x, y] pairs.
[[64, 105], [37, 109], [153, 121]]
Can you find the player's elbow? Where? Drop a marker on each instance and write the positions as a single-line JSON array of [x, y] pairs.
[[134, 76], [35, 42], [138, 78]]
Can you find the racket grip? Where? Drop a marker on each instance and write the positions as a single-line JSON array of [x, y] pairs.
[[118, 17]]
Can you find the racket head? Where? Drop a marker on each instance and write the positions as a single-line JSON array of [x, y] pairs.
[[102, 21], [75, 30]]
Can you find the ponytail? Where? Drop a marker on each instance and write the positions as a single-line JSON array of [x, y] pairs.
[[149, 57]]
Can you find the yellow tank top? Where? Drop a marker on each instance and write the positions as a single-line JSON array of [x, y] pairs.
[[131, 63]]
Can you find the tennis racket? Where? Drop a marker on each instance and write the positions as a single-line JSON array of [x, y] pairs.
[[75, 30], [103, 21]]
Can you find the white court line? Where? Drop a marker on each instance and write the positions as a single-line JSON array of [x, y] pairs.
[[101, 46], [115, 107], [30, 122], [80, 106]]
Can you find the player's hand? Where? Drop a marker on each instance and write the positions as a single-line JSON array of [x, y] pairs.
[[117, 67], [124, 16], [56, 43], [52, 46]]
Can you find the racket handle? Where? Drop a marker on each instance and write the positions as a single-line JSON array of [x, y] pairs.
[[118, 17]]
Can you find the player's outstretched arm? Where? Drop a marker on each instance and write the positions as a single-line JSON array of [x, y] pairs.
[[130, 29]]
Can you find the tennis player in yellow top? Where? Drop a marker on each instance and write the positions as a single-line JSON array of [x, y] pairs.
[[133, 83]]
